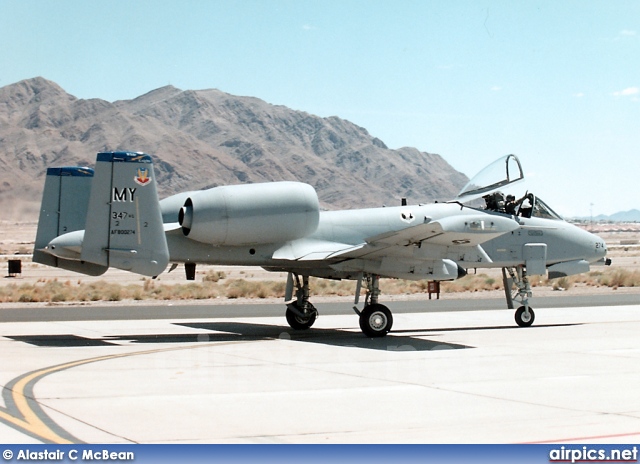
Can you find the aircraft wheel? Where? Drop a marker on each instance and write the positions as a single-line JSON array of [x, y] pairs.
[[524, 320], [376, 320], [301, 323]]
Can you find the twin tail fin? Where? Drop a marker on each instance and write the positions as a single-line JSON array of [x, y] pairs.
[[91, 220]]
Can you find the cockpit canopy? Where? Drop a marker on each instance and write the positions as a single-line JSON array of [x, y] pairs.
[[502, 172], [505, 171]]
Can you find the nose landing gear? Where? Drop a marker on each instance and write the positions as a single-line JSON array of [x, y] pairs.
[[524, 315]]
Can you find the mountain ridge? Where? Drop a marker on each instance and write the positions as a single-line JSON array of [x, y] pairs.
[[632, 215], [205, 138]]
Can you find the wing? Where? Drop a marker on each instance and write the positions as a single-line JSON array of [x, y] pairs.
[[314, 250], [468, 230], [458, 231]]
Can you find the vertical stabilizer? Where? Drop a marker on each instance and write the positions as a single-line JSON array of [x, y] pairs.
[[124, 226], [63, 210]]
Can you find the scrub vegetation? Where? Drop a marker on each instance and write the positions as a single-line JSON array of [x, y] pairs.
[[214, 284]]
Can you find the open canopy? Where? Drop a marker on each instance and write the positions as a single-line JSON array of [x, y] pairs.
[[504, 171]]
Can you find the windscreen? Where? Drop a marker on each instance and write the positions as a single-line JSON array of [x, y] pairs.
[[542, 210]]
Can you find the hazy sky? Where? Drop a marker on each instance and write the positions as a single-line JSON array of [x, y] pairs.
[[555, 82]]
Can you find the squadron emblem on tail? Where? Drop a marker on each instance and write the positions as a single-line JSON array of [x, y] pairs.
[[143, 176]]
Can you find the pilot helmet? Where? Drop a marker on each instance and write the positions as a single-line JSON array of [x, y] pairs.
[[511, 198]]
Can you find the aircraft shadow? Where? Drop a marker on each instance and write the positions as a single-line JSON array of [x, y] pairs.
[[331, 337], [245, 331]]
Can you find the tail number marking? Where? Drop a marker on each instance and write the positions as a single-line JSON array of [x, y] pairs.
[[123, 215]]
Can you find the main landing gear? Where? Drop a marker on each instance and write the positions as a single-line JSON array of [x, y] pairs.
[[524, 315], [301, 314], [375, 319]]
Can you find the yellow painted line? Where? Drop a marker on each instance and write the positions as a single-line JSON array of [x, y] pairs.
[[30, 421]]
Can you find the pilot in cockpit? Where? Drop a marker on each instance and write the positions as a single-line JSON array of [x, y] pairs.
[[525, 203], [511, 206], [496, 202]]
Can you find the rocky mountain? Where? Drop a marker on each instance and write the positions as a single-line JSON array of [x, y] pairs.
[[205, 138]]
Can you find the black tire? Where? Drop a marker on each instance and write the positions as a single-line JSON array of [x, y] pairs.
[[301, 323], [376, 320], [521, 318]]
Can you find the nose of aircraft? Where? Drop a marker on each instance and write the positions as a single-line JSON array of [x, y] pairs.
[[599, 250], [583, 244]]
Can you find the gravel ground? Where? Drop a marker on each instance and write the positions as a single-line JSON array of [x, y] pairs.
[[16, 242]]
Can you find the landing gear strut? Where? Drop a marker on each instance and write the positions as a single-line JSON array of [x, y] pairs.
[[301, 314], [375, 319], [524, 314]]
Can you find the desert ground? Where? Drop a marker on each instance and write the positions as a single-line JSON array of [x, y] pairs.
[[17, 240]]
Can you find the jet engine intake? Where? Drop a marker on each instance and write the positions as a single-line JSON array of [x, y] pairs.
[[251, 214]]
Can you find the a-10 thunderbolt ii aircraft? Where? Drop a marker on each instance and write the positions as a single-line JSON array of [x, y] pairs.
[[111, 217]]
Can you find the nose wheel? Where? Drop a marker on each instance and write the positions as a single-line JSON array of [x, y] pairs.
[[525, 316]]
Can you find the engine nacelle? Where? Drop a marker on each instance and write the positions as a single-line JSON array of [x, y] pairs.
[[251, 214]]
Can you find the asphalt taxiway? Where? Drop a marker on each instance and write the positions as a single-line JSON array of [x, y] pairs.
[[231, 374]]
